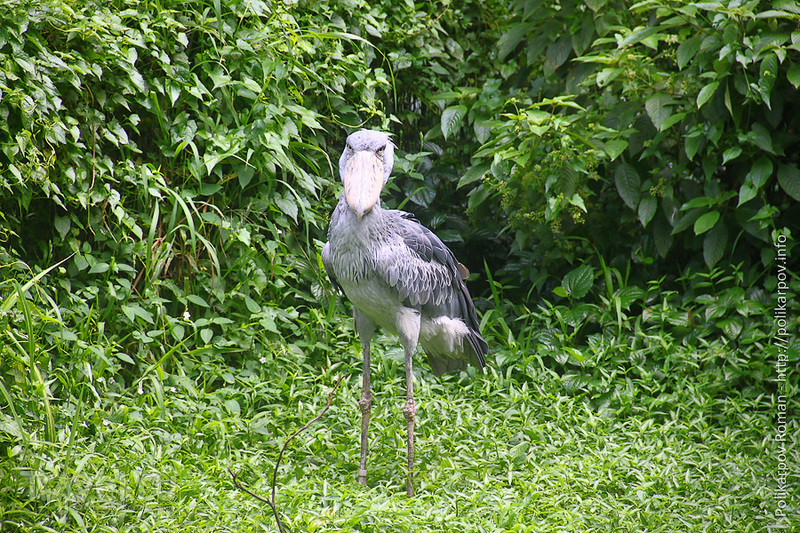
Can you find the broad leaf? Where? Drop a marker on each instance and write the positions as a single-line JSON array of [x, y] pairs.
[[761, 137], [706, 222], [474, 174], [510, 39], [730, 154], [692, 144], [706, 93], [760, 173], [615, 148], [662, 234], [746, 193], [793, 75], [687, 50], [557, 53], [647, 209], [768, 71], [731, 326], [451, 119], [579, 281], [658, 109], [628, 184], [789, 180]]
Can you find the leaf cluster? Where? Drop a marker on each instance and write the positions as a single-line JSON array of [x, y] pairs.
[[669, 124]]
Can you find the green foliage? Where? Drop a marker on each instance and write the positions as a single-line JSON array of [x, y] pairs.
[[499, 452], [166, 172], [670, 124]]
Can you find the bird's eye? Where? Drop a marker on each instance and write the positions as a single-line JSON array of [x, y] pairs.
[[379, 152]]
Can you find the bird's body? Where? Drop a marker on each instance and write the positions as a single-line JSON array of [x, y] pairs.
[[393, 270], [398, 275]]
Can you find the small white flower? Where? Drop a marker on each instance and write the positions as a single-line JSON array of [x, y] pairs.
[[187, 315], [262, 359]]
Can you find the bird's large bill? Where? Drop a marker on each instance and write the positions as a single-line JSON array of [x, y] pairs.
[[363, 181]]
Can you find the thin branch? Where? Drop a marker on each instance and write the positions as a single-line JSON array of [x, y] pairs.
[[271, 502]]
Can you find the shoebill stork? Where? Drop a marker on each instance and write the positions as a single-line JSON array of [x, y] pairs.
[[399, 276]]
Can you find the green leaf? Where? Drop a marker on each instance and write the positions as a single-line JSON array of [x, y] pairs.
[[793, 75], [596, 5], [99, 268], [474, 174], [197, 300], [658, 109], [662, 235], [706, 93], [287, 204], [639, 35], [673, 119], [768, 71], [732, 326], [615, 148], [692, 144], [687, 220], [510, 39], [647, 209], [760, 172], [687, 50], [62, 225], [245, 175], [698, 201], [730, 154], [578, 282], [761, 137], [578, 202], [628, 184], [746, 193], [706, 222], [451, 119], [560, 291], [251, 304], [557, 53], [133, 310], [789, 180]]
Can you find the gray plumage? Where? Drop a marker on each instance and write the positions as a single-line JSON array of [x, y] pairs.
[[398, 275], [388, 261]]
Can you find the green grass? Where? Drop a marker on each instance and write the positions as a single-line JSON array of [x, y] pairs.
[[495, 452]]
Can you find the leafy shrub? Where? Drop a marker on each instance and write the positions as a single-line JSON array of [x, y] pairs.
[[669, 124]]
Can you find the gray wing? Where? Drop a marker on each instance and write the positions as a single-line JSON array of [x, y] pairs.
[[416, 263], [426, 274]]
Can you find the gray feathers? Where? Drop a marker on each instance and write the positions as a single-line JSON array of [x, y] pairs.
[[392, 268]]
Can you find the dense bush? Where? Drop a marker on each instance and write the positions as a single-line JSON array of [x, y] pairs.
[[664, 134], [167, 170], [613, 177]]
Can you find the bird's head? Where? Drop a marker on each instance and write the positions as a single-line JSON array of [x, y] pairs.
[[365, 166]]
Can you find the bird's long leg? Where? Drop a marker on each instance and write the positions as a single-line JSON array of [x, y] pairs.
[[410, 411], [365, 329], [366, 406], [408, 326]]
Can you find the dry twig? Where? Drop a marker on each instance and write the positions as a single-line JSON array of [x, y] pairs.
[[271, 501]]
